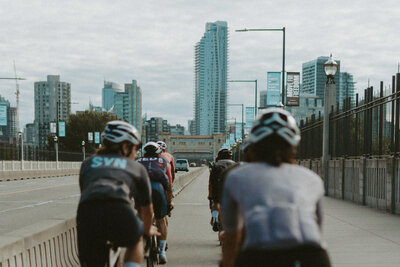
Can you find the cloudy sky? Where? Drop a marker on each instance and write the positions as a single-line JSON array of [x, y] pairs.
[[153, 42]]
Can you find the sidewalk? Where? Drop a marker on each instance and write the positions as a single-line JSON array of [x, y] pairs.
[[360, 236]]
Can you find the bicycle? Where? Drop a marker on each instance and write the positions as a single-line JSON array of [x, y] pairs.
[[151, 250], [114, 257]]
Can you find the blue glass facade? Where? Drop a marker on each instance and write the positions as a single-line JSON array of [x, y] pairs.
[[210, 85], [346, 89], [314, 77]]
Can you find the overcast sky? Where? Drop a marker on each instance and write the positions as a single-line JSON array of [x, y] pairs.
[[153, 42]]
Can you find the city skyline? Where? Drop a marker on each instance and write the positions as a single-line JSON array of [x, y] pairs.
[[96, 40]]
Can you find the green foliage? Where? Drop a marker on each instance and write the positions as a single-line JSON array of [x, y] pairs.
[[77, 129]]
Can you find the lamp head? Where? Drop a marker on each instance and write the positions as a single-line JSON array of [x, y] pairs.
[[83, 143], [330, 67]]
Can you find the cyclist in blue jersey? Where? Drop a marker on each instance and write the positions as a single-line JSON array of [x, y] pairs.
[[156, 167], [107, 181], [271, 207]]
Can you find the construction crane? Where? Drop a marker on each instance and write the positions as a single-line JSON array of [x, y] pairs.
[[16, 91]]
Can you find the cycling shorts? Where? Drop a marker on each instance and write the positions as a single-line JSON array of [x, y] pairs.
[[159, 200], [102, 221], [305, 255]]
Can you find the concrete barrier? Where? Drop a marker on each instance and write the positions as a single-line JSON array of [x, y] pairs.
[[48, 243], [54, 242], [13, 170]]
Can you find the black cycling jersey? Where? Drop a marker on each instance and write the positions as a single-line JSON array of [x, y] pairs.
[[157, 169], [113, 177]]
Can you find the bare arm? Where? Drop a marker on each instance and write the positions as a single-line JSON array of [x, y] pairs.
[[230, 248]]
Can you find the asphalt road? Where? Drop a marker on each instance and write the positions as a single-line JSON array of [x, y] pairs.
[[26, 202], [191, 240]]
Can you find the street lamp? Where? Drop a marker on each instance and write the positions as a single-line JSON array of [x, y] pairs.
[[255, 91], [330, 68], [283, 53], [83, 150], [242, 117], [56, 148], [21, 141]]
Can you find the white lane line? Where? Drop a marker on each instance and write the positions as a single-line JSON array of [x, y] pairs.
[[39, 203], [191, 204]]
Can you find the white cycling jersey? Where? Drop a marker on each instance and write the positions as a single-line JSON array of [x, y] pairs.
[[278, 207]]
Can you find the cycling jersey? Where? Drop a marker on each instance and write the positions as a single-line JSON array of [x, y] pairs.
[[217, 177], [157, 169], [113, 177], [171, 162], [276, 206]]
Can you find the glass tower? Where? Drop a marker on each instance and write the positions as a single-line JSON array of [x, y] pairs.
[[210, 82], [314, 77]]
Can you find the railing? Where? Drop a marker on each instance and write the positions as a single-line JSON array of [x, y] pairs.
[[366, 127], [374, 182]]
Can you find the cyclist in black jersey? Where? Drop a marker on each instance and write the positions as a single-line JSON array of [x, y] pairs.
[[105, 214], [156, 167]]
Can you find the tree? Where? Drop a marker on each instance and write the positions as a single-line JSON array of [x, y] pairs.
[[77, 128]]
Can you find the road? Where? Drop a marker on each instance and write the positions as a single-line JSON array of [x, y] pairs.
[[191, 240], [27, 202]]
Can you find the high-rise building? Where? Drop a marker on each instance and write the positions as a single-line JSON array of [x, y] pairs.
[[155, 127], [346, 89], [177, 129], [263, 99], [108, 92], [309, 105], [52, 104], [29, 134], [4, 120], [191, 128], [210, 81], [128, 104], [314, 77]]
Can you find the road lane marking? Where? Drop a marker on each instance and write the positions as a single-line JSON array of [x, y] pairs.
[[39, 203], [192, 204], [35, 189]]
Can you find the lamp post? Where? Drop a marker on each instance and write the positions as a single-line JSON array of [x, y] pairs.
[[56, 148], [330, 68], [83, 150], [242, 117], [283, 53], [21, 142], [255, 91]]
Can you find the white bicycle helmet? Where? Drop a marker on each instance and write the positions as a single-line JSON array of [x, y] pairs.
[[152, 147], [120, 131], [275, 121], [162, 144]]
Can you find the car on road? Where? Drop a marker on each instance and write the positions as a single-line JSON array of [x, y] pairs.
[[181, 165]]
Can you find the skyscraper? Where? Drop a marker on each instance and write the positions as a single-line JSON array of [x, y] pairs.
[[210, 81], [314, 77], [346, 89], [128, 104], [52, 104], [108, 92]]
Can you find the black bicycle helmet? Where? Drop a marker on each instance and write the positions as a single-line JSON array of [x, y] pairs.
[[224, 153]]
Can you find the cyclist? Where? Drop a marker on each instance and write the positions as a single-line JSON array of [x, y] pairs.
[[161, 190], [271, 207], [169, 158], [215, 184], [107, 181]]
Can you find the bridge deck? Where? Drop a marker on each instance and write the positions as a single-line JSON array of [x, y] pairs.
[[356, 235]]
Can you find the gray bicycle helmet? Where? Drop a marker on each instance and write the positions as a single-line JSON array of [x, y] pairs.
[[162, 144], [275, 121], [120, 131]]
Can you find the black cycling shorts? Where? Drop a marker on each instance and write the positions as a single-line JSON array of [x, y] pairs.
[[305, 255], [102, 221], [159, 200]]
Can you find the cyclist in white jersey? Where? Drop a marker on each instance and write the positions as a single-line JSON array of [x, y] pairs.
[[271, 207]]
